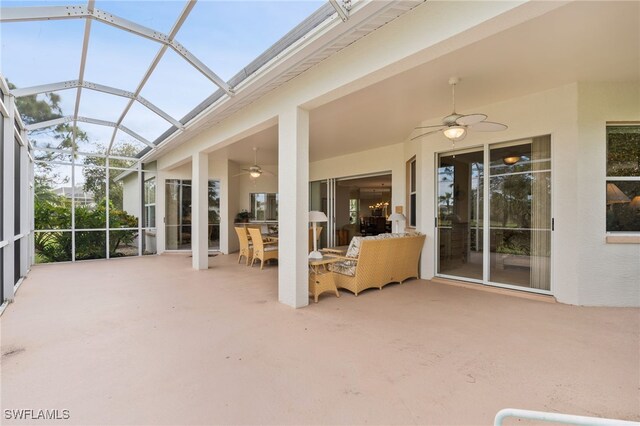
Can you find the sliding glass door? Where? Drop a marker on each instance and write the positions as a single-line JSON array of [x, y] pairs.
[[178, 214], [516, 250], [460, 210], [356, 205]]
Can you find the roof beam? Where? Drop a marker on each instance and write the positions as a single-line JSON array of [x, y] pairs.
[[70, 118], [45, 88], [72, 84], [342, 12], [96, 121], [19, 14], [83, 62], [135, 135], [92, 154], [154, 63], [42, 13], [49, 123]]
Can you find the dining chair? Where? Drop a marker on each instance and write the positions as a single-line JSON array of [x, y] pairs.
[[246, 249], [262, 250]]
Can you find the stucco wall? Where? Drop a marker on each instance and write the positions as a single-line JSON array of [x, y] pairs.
[[131, 194], [608, 274], [386, 159], [585, 269]]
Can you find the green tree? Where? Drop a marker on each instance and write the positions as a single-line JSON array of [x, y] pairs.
[[33, 110], [52, 212], [95, 177]]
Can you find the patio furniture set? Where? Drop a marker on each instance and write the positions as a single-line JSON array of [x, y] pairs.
[[368, 262]]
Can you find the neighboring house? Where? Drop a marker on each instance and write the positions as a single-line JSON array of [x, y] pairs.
[[82, 197]]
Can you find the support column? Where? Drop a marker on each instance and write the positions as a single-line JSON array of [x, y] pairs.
[[161, 189], [8, 180], [25, 223], [200, 211], [293, 207]]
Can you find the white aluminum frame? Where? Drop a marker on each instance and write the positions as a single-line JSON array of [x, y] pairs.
[[486, 237], [14, 130], [90, 13], [76, 84], [75, 119]]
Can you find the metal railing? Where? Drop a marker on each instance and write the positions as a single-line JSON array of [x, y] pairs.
[[558, 418]]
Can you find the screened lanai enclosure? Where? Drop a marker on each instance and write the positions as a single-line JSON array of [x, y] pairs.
[[89, 89]]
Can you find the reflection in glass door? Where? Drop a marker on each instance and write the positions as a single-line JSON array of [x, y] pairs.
[[460, 208], [518, 214], [520, 228], [214, 215], [178, 214]]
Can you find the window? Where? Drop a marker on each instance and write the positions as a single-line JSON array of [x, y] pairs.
[[623, 178], [264, 206], [411, 192], [150, 203]]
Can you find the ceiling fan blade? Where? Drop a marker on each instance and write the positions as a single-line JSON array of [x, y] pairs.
[[264, 172], [488, 126], [425, 134], [430, 127], [240, 174], [469, 119]]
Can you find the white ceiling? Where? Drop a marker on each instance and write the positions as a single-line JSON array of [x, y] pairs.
[[583, 41]]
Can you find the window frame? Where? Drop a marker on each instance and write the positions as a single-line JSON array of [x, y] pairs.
[[621, 237], [149, 219], [412, 192]]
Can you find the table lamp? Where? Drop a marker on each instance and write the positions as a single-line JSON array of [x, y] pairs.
[[395, 218], [315, 217]]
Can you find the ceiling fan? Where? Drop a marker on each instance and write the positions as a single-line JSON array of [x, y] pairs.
[[455, 126], [255, 171]]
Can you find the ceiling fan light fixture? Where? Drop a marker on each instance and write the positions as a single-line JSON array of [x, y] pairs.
[[455, 133], [511, 160], [255, 173]]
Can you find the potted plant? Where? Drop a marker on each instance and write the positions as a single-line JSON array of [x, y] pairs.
[[242, 217]]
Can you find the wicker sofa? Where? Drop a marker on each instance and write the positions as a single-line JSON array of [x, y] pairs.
[[378, 260]]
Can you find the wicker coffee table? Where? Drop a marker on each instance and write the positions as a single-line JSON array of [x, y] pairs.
[[320, 278]]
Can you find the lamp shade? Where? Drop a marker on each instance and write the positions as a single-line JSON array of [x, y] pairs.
[[615, 195], [316, 216], [635, 202], [396, 217]]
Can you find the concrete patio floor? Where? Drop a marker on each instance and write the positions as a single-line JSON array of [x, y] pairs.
[[151, 341]]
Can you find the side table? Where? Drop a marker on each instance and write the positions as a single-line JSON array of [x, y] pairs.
[[321, 279]]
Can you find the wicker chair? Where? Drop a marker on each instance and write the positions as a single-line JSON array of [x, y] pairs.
[[373, 262], [261, 249], [246, 249]]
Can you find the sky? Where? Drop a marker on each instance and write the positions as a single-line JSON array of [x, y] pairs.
[[225, 35]]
